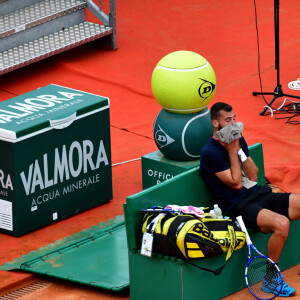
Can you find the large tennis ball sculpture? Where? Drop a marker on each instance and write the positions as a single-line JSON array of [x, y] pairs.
[[183, 82], [181, 137]]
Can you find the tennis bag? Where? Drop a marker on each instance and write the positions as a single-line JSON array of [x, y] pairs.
[[192, 238]]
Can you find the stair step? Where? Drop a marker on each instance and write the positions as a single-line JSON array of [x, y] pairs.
[[8, 6], [36, 14], [50, 45]]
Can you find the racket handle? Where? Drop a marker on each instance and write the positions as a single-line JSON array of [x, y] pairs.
[[243, 227]]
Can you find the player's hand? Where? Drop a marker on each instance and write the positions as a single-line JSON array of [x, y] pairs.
[[234, 146]]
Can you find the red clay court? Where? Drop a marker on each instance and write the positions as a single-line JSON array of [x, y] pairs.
[[224, 32]]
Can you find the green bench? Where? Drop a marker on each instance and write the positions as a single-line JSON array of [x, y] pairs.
[[165, 277]]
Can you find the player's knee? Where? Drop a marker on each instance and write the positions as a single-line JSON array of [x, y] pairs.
[[283, 227]]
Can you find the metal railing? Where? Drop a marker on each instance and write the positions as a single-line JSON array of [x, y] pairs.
[[109, 20]]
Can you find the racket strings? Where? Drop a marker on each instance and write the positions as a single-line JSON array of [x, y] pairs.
[[271, 269], [264, 279]]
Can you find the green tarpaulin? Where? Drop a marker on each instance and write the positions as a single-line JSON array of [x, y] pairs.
[[97, 257]]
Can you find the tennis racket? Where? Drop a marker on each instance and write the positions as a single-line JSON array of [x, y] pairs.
[[157, 210], [262, 275]]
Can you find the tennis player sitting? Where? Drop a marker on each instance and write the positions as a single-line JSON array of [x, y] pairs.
[[231, 175]]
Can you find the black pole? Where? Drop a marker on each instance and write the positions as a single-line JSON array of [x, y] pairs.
[[276, 22], [278, 89]]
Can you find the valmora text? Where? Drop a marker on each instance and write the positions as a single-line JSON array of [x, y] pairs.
[[63, 165], [31, 105]]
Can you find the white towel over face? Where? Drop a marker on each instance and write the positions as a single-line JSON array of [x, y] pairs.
[[230, 133]]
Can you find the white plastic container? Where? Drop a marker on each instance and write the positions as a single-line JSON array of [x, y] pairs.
[[217, 212]]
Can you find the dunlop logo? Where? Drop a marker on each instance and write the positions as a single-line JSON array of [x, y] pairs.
[[206, 89]]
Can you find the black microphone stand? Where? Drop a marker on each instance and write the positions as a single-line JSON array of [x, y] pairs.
[[278, 92]]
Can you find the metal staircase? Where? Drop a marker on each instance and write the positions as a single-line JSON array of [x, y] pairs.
[[32, 30]]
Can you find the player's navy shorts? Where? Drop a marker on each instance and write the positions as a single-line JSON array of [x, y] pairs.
[[262, 198]]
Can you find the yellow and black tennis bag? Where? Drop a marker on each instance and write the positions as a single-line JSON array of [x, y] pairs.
[[193, 238]]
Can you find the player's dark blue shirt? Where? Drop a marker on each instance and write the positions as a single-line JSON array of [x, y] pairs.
[[214, 158]]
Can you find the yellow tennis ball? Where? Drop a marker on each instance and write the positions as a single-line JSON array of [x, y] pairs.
[[183, 82]]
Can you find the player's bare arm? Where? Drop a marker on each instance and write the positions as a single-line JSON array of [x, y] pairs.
[[233, 176], [250, 168]]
